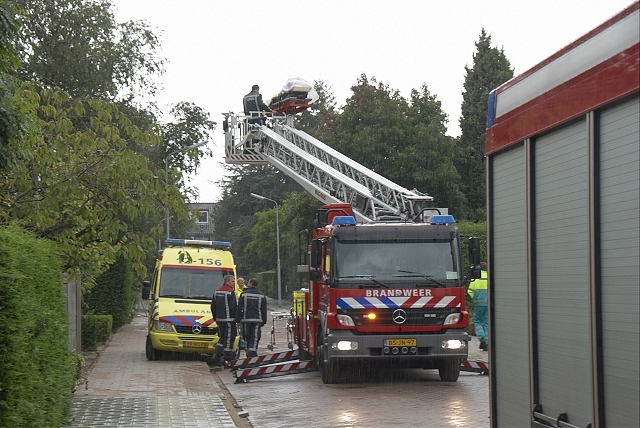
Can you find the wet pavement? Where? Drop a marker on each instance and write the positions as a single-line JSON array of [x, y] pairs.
[[124, 389]]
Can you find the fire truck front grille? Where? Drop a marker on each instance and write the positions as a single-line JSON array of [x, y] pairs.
[[185, 329], [413, 317]]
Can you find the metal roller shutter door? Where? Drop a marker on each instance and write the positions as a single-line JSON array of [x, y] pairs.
[[619, 231], [561, 193], [509, 288]]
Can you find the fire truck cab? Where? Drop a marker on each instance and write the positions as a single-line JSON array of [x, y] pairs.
[[383, 293]]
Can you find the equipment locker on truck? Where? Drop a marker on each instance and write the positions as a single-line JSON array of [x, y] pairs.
[[563, 158]]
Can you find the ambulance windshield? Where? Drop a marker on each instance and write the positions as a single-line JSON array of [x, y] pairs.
[[393, 262], [190, 283]]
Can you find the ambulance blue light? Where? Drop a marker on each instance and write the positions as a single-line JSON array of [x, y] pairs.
[[344, 220], [442, 219], [198, 243]]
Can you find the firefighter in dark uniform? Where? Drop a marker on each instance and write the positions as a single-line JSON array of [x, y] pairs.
[[252, 313], [254, 106], [223, 310]]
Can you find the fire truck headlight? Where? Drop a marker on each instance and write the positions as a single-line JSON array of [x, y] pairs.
[[346, 320], [453, 344], [452, 319], [344, 345], [162, 326]]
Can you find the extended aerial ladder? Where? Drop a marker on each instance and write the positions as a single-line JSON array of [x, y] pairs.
[[330, 177], [327, 174]]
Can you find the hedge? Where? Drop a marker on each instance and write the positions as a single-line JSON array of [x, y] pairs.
[[96, 330], [113, 294], [36, 365]]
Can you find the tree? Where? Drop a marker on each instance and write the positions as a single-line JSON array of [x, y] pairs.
[[402, 140], [191, 125], [77, 181], [370, 128], [234, 213], [296, 213], [322, 113], [77, 46], [490, 69], [426, 161], [11, 114]]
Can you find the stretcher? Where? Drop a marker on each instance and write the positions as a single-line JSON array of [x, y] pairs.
[[281, 316], [296, 95]]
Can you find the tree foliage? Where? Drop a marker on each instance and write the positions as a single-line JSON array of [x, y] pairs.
[[77, 46], [296, 214], [91, 172], [401, 139], [234, 214], [113, 294], [191, 125], [322, 114], [12, 115], [77, 181], [490, 69]]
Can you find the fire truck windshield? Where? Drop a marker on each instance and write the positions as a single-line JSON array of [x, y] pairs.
[[392, 262]]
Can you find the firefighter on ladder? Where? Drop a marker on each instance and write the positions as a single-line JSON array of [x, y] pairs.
[[478, 292]]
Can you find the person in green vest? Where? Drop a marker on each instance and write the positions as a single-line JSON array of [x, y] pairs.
[[478, 292]]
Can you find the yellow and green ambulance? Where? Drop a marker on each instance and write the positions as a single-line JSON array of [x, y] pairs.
[[186, 274]]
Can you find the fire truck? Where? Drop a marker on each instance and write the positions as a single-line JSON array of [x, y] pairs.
[[563, 226], [386, 278]]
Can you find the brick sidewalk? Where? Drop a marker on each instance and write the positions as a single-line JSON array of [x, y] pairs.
[[124, 389]]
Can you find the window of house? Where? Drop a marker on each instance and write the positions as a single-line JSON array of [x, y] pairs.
[[203, 216]]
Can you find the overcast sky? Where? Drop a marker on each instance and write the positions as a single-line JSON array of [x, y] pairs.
[[217, 49]]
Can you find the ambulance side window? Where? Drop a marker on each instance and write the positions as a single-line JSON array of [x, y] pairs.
[[154, 282]]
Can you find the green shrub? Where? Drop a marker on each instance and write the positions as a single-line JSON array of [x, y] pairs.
[[96, 330], [77, 363], [112, 294], [36, 373], [479, 230], [268, 283]]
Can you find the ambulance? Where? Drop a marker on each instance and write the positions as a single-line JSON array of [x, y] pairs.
[[186, 274]]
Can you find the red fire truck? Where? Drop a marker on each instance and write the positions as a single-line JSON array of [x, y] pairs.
[[386, 280], [383, 293]]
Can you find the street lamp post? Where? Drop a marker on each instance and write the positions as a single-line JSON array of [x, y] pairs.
[[277, 246], [166, 172]]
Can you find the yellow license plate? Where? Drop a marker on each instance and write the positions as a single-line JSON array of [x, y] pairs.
[[191, 344], [400, 342]]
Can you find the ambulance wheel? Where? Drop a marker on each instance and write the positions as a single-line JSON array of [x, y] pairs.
[[153, 354], [449, 370], [328, 370]]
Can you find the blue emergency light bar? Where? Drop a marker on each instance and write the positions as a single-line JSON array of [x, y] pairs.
[[442, 219], [344, 220], [221, 245]]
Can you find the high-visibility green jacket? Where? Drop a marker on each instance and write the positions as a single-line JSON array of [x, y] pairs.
[[478, 289]]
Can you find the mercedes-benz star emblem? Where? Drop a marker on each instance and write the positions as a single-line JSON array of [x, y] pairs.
[[196, 329], [399, 316]]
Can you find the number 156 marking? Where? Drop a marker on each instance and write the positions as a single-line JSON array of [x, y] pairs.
[[210, 262]]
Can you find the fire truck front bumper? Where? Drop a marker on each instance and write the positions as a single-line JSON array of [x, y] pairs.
[[344, 345]]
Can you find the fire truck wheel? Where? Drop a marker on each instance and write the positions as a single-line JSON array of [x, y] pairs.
[[328, 370], [153, 354], [449, 370]]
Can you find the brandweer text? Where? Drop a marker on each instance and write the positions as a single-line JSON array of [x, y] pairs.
[[404, 292]]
